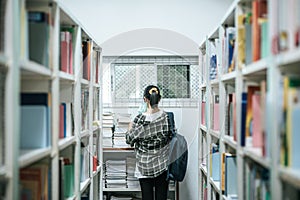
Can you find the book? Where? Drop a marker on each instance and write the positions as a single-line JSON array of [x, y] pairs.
[[241, 40], [257, 136], [292, 133], [34, 127], [64, 51], [216, 113], [255, 31], [231, 37], [39, 35], [249, 114], [234, 116], [230, 175], [264, 43], [61, 121], [243, 118], [68, 180], [248, 39], [86, 52], [34, 181]]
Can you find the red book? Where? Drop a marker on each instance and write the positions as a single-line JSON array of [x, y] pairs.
[[64, 52], [203, 113], [95, 163], [70, 53], [257, 138]]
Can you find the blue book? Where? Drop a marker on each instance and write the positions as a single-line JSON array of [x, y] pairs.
[[230, 175], [243, 120], [34, 127], [216, 166], [248, 48], [38, 32], [295, 137], [35, 99], [65, 119]]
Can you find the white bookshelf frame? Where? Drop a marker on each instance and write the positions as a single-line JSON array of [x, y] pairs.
[[22, 70], [271, 68]]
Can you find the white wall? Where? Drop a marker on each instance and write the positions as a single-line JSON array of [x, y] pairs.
[[192, 19]]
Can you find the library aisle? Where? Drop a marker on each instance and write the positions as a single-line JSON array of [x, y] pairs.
[[65, 105]]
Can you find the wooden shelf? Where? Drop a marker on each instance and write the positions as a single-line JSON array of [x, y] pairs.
[[229, 77], [203, 169], [66, 77], [133, 189], [214, 133], [3, 172], [85, 82], [97, 171], [256, 155], [214, 82], [84, 133], [215, 184], [84, 185], [202, 86], [96, 85], [290, 176], [230, 141], [118, 150], [203, 128], [63, 143], [256, 68], [3, 60], [121, 189], [28, 157], [288, 58], [32, 69]]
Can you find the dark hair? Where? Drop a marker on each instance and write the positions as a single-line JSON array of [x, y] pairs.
[[152, 93]]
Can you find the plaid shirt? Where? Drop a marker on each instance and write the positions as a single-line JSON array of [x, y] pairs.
[[150, 140]]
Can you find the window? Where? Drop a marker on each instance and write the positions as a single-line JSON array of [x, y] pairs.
[[129, 77]]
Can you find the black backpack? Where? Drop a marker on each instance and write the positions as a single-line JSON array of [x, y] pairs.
[[178, 157]]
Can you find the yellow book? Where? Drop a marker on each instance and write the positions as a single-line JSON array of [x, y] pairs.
[[241, 41]]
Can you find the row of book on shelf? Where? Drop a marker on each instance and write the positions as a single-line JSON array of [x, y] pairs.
[[223, 170], [38, 47], [252, 44], [35, 180], [252, 116]]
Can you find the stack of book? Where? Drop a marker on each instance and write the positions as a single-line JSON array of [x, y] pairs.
[[132, 181], [123, 120], [115, 174], [107, 129]]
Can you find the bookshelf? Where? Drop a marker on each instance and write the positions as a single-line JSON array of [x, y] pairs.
[[256, 77], [50, 103]]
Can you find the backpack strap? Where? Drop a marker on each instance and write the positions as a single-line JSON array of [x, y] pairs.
[[172, 125]]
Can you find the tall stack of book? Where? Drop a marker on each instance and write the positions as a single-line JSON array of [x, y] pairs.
[[107, 131], [121, 128], [115, 174], [132, 181]]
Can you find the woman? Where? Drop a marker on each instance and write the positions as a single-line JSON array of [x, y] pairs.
[[150, 134]]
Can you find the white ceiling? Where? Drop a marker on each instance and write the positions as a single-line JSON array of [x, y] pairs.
[[185, 22]]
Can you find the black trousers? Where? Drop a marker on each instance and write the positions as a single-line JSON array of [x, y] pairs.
[[155, 187]]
